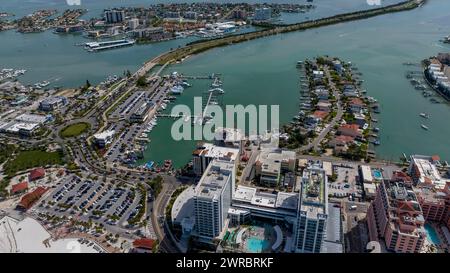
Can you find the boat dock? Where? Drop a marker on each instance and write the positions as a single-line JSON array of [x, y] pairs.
[[99, 46]]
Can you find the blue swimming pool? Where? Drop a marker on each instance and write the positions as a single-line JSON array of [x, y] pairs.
[[256, 245], [432, 235], [377, 174]]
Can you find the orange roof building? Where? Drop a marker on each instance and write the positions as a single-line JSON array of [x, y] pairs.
[[29, 199], [320, 114], [19, 188], [36, 174], [144, 243]]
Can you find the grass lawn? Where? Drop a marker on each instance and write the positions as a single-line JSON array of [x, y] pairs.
[[31, 159], [74, 129]]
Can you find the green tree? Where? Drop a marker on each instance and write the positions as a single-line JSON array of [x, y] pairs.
[[141, 81]]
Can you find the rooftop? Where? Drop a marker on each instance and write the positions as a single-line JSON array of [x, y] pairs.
[[427, 168], [214, 179], [314, 180], [105, 134], [283, 200], [213, 151], [430, 195], [270, 160], [314, 194], [183, 206], [31, 118]]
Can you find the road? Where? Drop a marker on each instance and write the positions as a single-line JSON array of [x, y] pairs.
[[160, 226], [339, 113]]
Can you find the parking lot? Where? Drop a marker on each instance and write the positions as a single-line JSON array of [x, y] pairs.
[[346, 184], [100, 202]]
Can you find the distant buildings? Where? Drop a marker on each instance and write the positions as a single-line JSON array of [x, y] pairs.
[[395, 218], [133, 23], [172, 14], [262, 14], [240, 14], [191, 15], [114, 16]]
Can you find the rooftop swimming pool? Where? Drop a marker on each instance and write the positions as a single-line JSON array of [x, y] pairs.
[[377, 174], [432, 235], [257, 245]]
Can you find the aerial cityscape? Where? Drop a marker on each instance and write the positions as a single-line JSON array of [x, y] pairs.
[[310, 126]]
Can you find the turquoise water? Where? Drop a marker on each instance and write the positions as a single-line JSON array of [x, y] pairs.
[[432, 235], [377, 174], [257, 245], [263, 71]]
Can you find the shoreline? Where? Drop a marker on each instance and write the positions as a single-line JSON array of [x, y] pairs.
[[201, 46]]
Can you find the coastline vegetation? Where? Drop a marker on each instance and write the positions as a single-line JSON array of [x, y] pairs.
[[202, 45]]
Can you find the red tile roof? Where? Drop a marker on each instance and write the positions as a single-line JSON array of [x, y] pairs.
[[29, 199], [144, 243], [344, 139], [357, 101], [320, 114], [401, 176], [36, 174], [19, 187], [353, 127]]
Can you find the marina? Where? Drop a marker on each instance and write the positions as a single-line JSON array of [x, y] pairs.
[[99, 46], [384, 76], [9, 73]]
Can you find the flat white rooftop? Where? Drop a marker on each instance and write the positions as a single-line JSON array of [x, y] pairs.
[[183, 206], [215, 178], [27, 236], [31, 118], [213, 151], [104, 135], [428, 171], [284, 200]]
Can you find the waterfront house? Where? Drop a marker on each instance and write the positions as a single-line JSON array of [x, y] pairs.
[[324, 106], [340, 141], [321, 93], [349, 130], [340, 144], [356, 105], [320, 115], [311, 122], [338, 66], [360, 119]]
